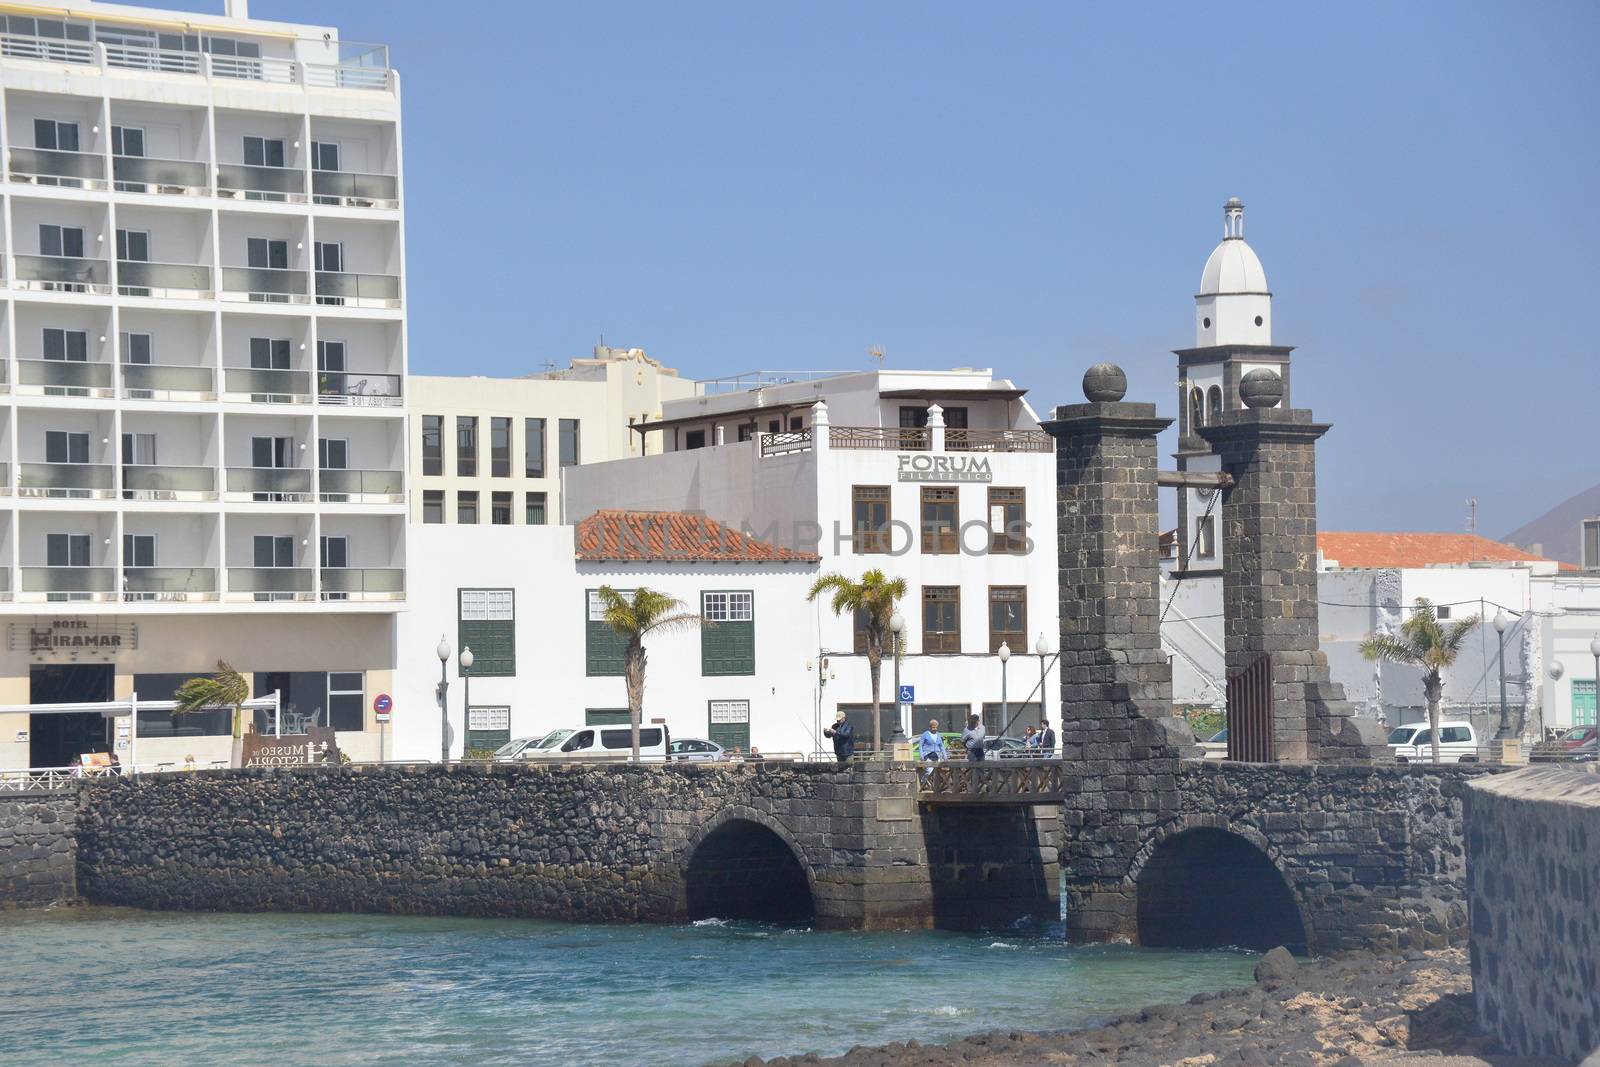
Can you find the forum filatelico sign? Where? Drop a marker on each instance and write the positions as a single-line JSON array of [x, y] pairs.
[[316, 745]]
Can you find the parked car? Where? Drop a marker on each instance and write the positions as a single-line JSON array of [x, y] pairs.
[[1458, 743], [1580, 744], [695, 750], [529, 747], [1001, 747], [1216, 746], [604, 742]]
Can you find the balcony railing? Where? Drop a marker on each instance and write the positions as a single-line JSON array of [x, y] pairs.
[[182, 281], [68, 583], [52, 166], [161, 60], [256, 69], [67, 479], [270, 483], [269, 583], [169, 583], [48, 49], [352, 189], [156, 381], [171, 177], [5, 483], [363, 583], [63, 377], [359, 389], [168, 483], [785, 442], [887, 438], [62, 274], [253, 182], [361, 487], [273, 285], [264, 386], [358, 290], [998, 441]]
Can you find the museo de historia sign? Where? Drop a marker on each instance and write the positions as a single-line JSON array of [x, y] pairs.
[[931, 467], [104, 636], [316, 745]]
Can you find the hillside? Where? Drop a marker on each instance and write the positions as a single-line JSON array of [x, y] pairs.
[[1557, 529]]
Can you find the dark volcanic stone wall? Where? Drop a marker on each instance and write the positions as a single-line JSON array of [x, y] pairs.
[[1533, 874], [37, 854]]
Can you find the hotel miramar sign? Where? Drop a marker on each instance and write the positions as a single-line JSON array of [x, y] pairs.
[[72, 636], [932, 467]]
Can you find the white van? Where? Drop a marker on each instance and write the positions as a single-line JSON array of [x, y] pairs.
[[602, 742], [522, 748], [1413, 743]]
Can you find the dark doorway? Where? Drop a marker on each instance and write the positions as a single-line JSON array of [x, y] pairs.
[[742, 870], [55, 740], [1208, 888]]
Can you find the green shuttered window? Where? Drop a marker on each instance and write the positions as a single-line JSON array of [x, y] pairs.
[[486, 623], [728, 643], [603, 647]]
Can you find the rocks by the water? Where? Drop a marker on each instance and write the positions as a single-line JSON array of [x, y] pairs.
[[1276, 966], [1355, 1011]]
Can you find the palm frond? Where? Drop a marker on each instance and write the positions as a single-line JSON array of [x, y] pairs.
[[1390, 649], [685, 620], [1458, 632], [225, 689]]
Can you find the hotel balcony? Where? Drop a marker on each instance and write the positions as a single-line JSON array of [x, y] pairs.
[[340, 288], [168, 483], [68, 583], [361, 487], [63, 274], [359, 389], [156, 381], [166, 281], [63, 377], [363, 583], [270, 583], [169, 583], [270, 285], [268, 483], [171, 177], [351, 189], [264, 386], [50, 166], [254, 182], [67, 480]]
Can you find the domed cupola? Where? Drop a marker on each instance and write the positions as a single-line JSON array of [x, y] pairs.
[[1234, 305]]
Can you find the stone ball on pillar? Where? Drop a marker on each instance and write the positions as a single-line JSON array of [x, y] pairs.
[[1261, 388], [1104, 383]]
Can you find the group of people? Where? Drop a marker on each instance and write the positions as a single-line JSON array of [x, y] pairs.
[[1040, 741]]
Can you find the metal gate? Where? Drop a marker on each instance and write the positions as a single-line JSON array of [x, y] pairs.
[[1250, 713]]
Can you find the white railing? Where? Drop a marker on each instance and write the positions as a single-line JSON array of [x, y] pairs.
[[156, 59], [57, 777], [49, 49]]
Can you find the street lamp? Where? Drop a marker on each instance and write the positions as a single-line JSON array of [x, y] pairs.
[[897, 626], [1501, 622], [1042, 647], [1556, 669], [443, 652], [466, 696], [1594, 650], [1005, 709]]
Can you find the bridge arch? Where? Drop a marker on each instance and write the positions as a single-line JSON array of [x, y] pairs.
[[1202, 882], [742, 864]]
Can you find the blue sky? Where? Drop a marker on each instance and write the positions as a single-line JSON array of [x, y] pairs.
[[1032, 187]]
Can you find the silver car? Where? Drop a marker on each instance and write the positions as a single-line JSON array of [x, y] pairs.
[[695, 750]]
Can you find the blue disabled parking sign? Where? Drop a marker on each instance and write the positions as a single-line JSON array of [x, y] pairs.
[[908, 694]]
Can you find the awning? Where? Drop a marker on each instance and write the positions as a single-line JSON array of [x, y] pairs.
[[941, 395], [738, 415]]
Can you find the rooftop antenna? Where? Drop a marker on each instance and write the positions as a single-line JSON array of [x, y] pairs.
[[1472, 515], [876, 352]]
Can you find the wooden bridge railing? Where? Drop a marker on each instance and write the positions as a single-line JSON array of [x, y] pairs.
[[1020, 781]]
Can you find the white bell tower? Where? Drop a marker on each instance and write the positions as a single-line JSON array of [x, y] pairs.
[[1234, 305]]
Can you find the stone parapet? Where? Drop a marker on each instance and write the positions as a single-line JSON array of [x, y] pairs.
[[38, 850]]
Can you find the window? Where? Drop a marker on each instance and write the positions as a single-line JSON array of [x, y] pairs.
[[72, 345], [500, 509], [433, 444], [269, 353], [433, 506], [916, 417], [55, 136], [1008, 519], [603, 646], [61, 241], [1008, 617], [746, 431], [533, 448], [323, 699], [728, 723], [347, 700], [1197, 409], [467, 508], [466, 446], [569, 442], [263, 152], [859, 716], [500, 448], [1441, 611], [133, 246], [128, 141], [324, 155], [535, 511], [137, 348], [870, 517], [694, 439], [333, 453], [939, 520], [138, 550], [62, 446], [1009, 720], [1454, 735], [334, 552], [1591, 544], [797, 423], [488, 726], [941, 618], [212, 722], [270, 550], [1205, 537], [66, 550], [1214, 404], [728, 644], [138, 449], [649, 737], [487, 624]]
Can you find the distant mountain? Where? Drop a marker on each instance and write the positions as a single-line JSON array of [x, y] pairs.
[[1557, 529]]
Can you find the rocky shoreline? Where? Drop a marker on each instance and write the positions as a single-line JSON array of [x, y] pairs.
[[1348, 1012]]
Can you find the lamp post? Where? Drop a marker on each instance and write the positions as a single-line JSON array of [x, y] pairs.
[[466, 696], [1556, 669], [1501, 621], [1005, 708], [1042, 647], [1594, 650], [821, 666], [443, 652], [897, 626]]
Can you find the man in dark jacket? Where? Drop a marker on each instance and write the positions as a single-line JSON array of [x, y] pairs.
[[1047, 740], [844, 738]]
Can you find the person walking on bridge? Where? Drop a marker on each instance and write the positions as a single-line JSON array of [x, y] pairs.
[[1047, 739], [930, 747], [973, 738], [844, 738]]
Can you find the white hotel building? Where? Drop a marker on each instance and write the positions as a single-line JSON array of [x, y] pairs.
[[203, 357]]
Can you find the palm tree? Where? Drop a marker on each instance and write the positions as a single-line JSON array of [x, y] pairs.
[[1427, 644], [874, 596], [647, 612], [226, 688]]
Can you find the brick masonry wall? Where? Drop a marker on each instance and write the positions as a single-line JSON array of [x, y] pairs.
[[1533, 878], [38, 856]]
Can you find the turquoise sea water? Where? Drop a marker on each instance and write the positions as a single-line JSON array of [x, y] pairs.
[[109, 986]]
